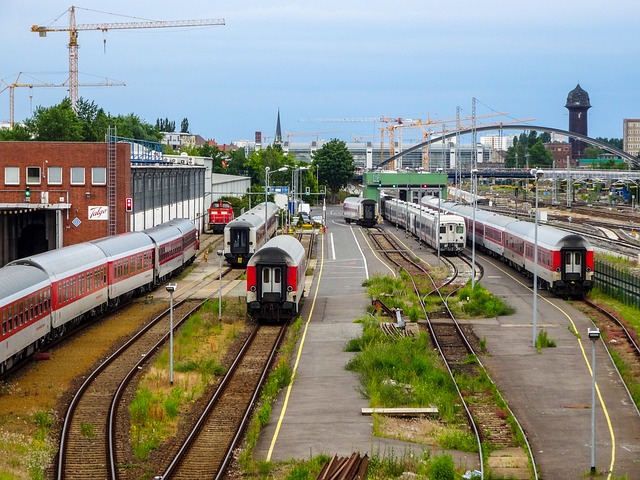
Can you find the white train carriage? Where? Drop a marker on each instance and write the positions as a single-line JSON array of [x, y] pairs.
[[244, 235], [130, 264], [362, 211], [446, 232], [190, 240], [452, 235], [168, 256], [78, 276], [275, 279], [25, 312]]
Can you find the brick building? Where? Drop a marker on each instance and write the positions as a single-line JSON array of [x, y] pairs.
[[76, 193]]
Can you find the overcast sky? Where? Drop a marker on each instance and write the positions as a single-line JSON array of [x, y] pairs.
[[327, 59]]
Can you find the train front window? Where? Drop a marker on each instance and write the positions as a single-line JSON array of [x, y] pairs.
[[238, 239]]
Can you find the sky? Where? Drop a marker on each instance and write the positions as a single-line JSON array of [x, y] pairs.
[[320, 61]]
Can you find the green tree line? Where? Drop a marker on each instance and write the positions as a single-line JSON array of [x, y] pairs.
[[332, 165]]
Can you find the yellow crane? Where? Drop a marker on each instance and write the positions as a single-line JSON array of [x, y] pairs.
[[307, 134], [16, 84], [74, 28]]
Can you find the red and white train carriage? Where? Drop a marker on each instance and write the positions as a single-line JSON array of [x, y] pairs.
[[41, 295], [275, 279], [25, 312], [129, 264], [565, 259]]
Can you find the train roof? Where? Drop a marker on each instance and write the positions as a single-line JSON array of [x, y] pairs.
[[65, 260], [184, 224], [253, 217], [131, 242], [15, 279], [163, 233], [359, 200], [280, 249], [549, 235]]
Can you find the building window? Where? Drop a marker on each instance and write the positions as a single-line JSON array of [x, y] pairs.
[[33, 175], [77, 175], [54, 175], [98, 176], [11, 175]]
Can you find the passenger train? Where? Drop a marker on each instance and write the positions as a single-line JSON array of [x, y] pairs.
[[220, 213], [363, 211], [421, 222], [275, 280], [44, 294], [247, 233], [565, 260]]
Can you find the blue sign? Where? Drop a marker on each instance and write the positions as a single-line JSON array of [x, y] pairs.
[[283, 189]]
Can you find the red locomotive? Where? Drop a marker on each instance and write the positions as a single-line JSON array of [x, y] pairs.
[[220, 213]]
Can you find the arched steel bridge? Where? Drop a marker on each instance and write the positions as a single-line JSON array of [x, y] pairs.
[[630, 159]]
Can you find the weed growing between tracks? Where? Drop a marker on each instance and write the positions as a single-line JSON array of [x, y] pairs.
[[199, 348]]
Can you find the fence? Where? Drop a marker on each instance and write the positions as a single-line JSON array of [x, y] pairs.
[[617, 282]]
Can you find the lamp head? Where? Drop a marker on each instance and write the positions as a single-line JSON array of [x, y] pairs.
[[171, 287], [594, 334]]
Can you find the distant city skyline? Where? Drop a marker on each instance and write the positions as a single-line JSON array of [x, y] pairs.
[[327, 60]]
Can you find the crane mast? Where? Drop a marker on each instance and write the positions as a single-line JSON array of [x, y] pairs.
[[74, 28], [12, 86]]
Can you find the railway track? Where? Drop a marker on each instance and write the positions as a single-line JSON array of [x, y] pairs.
[[89, 444], [487, 422], [617, 337], [208, 449]]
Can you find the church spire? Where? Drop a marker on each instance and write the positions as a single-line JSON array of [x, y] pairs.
[[278, 137]]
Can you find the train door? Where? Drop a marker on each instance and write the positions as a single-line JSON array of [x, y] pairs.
[[369, 211], [272, 280], [239, 241], [572, 264]]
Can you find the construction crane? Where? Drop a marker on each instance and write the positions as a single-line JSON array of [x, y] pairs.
[[74, 28], [307, 134], [16, 84]]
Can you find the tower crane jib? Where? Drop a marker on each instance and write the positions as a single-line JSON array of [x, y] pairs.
[[74, 28]]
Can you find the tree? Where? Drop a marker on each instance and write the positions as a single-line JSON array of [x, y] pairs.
[[528, 149], [614, 142], [19, 133], [184, 126], [335, 165], [57, 123], [165, 125]]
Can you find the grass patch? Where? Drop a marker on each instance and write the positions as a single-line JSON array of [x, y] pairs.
[[404, 372], [32, 457], [543, 341], [199, 348], [477, 302]]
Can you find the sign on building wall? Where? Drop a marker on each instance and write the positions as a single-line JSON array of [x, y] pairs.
[[98, 213]]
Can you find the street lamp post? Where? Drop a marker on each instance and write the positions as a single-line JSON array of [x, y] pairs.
[[219, 253], [537, 173], [440, 170], [594, 335], [171, 288], [266, 196], [474, 180]]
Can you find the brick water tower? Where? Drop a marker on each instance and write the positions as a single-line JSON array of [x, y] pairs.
[[578, 104]]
